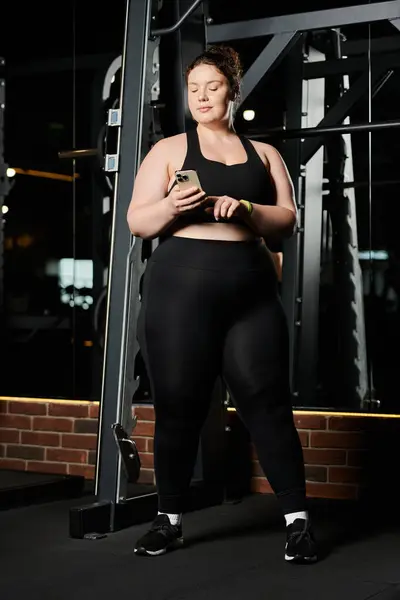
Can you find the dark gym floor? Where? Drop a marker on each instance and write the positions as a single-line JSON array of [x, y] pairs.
[[232, 552]]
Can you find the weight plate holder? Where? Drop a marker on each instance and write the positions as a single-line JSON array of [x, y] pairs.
[[128, 450]]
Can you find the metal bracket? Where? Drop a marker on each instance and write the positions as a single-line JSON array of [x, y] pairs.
[[111, 163], [114, 117], [128, 450]]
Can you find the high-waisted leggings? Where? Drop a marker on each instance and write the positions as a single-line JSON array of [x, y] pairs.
[[211, 308]]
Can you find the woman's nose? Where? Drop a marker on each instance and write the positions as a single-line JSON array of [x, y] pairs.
[[202, 96]]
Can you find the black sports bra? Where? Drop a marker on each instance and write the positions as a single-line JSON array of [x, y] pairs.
[[249, 180]]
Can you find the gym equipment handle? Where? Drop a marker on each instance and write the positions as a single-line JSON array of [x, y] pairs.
[[78, 153], [173, 28]]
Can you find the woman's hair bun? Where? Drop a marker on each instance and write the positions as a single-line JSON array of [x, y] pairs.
[[230, 55]]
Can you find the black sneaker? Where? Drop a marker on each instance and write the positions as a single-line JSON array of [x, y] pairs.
[[162, 536], [300, 544]]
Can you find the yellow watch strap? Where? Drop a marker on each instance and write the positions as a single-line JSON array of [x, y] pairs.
[[248, 205]]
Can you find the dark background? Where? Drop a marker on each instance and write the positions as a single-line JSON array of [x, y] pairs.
[[53, 104]]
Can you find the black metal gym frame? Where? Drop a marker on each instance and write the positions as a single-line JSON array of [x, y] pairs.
[[300, 286], [4, 184], [112, 510]]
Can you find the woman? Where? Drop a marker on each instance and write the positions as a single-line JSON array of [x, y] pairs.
[[210, 304]]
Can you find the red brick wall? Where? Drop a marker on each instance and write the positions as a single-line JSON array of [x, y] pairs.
[[48, 437], [343, 454], [60, 436], [332, 448]]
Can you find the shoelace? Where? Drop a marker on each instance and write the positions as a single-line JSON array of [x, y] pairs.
[[163, 528], [298, 536]]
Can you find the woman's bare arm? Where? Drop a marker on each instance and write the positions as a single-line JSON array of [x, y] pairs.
[[148, 213]]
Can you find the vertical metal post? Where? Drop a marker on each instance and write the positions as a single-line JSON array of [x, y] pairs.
[[130, 373], [291, 151], [350, 360], [4, 184], [313, 113], [137, 27], [311, 263]]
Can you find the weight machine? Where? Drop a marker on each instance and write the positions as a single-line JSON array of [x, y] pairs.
[[138, 120]]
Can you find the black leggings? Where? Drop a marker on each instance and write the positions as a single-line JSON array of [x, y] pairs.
[[211, 308]]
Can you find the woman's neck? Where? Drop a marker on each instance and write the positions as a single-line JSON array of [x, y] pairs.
[[215, 131]]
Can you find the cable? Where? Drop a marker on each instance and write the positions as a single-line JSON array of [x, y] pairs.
[[74, 197], [371, 265], [370, 153]]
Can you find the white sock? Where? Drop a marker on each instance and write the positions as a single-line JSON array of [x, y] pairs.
[[174, 519], [291, 517]]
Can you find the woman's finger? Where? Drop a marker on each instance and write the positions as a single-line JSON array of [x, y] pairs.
[[181, 194], [231, 210], [217, 209], [191, 199], [191, 206], [225, 205]]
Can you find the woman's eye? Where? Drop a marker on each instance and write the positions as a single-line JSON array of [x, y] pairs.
[[213, 89]]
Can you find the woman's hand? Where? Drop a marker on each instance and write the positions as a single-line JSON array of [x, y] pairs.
[[226, 207], [183, 201]]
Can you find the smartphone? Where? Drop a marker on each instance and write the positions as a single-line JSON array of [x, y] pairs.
[[187, 179]]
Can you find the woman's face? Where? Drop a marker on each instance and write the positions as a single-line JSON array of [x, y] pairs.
[[209, 95]]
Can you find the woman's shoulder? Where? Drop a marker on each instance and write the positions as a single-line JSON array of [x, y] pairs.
[[261, 150], [171, 143], [264, 148], [268, 152], [172, 151]]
